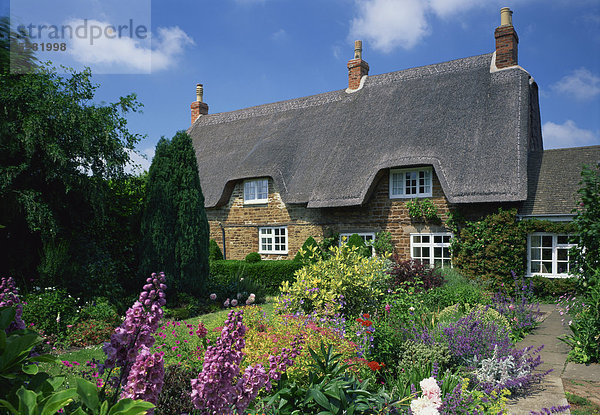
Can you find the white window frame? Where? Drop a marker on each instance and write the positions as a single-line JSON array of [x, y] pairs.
[[399, 192], [251, 192], [431, 245], [555, 247], [268, 235]]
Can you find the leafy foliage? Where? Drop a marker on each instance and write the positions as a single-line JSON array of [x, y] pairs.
[[267, 273], [423, 209], [346, 282], [310, 251], [253, 257], [414, 272], [174, 224], [214, 251], [383, 243], [174, 398], [356, 241], [59, 152], [586, 255], [50, 311]]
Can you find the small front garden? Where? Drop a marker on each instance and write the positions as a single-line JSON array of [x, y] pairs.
[[350, 334]]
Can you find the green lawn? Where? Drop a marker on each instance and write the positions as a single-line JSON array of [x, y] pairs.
[[211, 322]]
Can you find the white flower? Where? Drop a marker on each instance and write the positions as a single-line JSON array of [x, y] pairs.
[[58, 318], [411, 308], [431, 391], [423, 406]]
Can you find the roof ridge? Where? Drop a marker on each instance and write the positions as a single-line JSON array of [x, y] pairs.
[[455, 65], [573, 148]]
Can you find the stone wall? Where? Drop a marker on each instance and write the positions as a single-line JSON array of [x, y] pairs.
[[380, 213]]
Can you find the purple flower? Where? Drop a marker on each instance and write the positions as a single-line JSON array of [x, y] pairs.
[[9, 297], [146, 376]]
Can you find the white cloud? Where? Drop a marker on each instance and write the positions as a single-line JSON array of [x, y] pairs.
[[446, 8], [279, 36], [388, 24], [580, 84], [567, 135], [139, 160], [129, 55]]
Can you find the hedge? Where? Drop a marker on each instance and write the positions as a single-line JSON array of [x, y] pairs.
[[269, 273]]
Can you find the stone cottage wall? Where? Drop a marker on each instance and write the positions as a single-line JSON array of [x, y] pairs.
[[380, 213]]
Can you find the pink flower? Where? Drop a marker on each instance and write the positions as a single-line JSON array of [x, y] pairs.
[[213, 296], [234, 302], [388, 308]]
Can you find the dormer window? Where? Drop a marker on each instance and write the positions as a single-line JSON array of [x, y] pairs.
[[256, 191], [410, 183]]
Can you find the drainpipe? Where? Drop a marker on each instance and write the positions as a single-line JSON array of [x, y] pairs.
[[223, 238]]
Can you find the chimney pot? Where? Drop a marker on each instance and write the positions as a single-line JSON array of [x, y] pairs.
[[358, 49], [198, 107], [199, 92], [506, 16]]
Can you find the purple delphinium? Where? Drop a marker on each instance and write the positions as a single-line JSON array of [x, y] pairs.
[[457, 402], [219, 387], [9, 297], [146, 377], [141, 321]]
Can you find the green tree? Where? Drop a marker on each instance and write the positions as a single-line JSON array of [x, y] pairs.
[[174, 226], [586, 255], [58, 152]]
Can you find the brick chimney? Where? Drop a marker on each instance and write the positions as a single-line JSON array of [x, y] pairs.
[[198, 107], [506, 41], [357, 68]]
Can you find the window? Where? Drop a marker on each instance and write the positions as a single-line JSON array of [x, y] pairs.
[[410, 183], [368, 237], [273, 240], [431, 248], [548, 255], [256, 191]]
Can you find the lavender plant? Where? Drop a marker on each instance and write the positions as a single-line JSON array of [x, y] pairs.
[[517, 308]]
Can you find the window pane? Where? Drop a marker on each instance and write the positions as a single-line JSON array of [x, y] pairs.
[[437, 262], [536, 254], [416, 252], [547, 241], [416, 239], [535, 266], [397, 188], [547, 267], [562, 254], [446, 252], [437, 239], [262, 189], [547, 254], [425, 251], [425, 239], [536, 240], [437, 252], [562, 239], [562, 267]]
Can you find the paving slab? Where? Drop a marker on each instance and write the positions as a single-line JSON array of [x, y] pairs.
[[578, 371]]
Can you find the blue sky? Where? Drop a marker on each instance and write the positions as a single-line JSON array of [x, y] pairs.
[[251, 52]]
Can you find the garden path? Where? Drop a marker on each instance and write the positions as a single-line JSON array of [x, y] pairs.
[[550, 392]]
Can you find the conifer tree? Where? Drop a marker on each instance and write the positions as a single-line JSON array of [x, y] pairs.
[[174, 227]]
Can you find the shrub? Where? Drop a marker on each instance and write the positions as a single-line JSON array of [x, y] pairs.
[[417, 354], [310, 251], [89, 333], [356, 241], [253, 257], [100, 309], [268, 273], [270, 336], [489, 249], [456, 290], [414, 272], [549, 289], [214, 251], [346, 282], [50, 311], [383, 243], [175, 399], [486, 314]]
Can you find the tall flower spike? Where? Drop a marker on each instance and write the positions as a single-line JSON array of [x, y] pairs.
[[9, 297]]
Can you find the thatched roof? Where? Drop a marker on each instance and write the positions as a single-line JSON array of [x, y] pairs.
[[471, 124]]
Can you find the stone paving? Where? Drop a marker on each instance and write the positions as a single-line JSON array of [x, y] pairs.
[[550, 391]]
